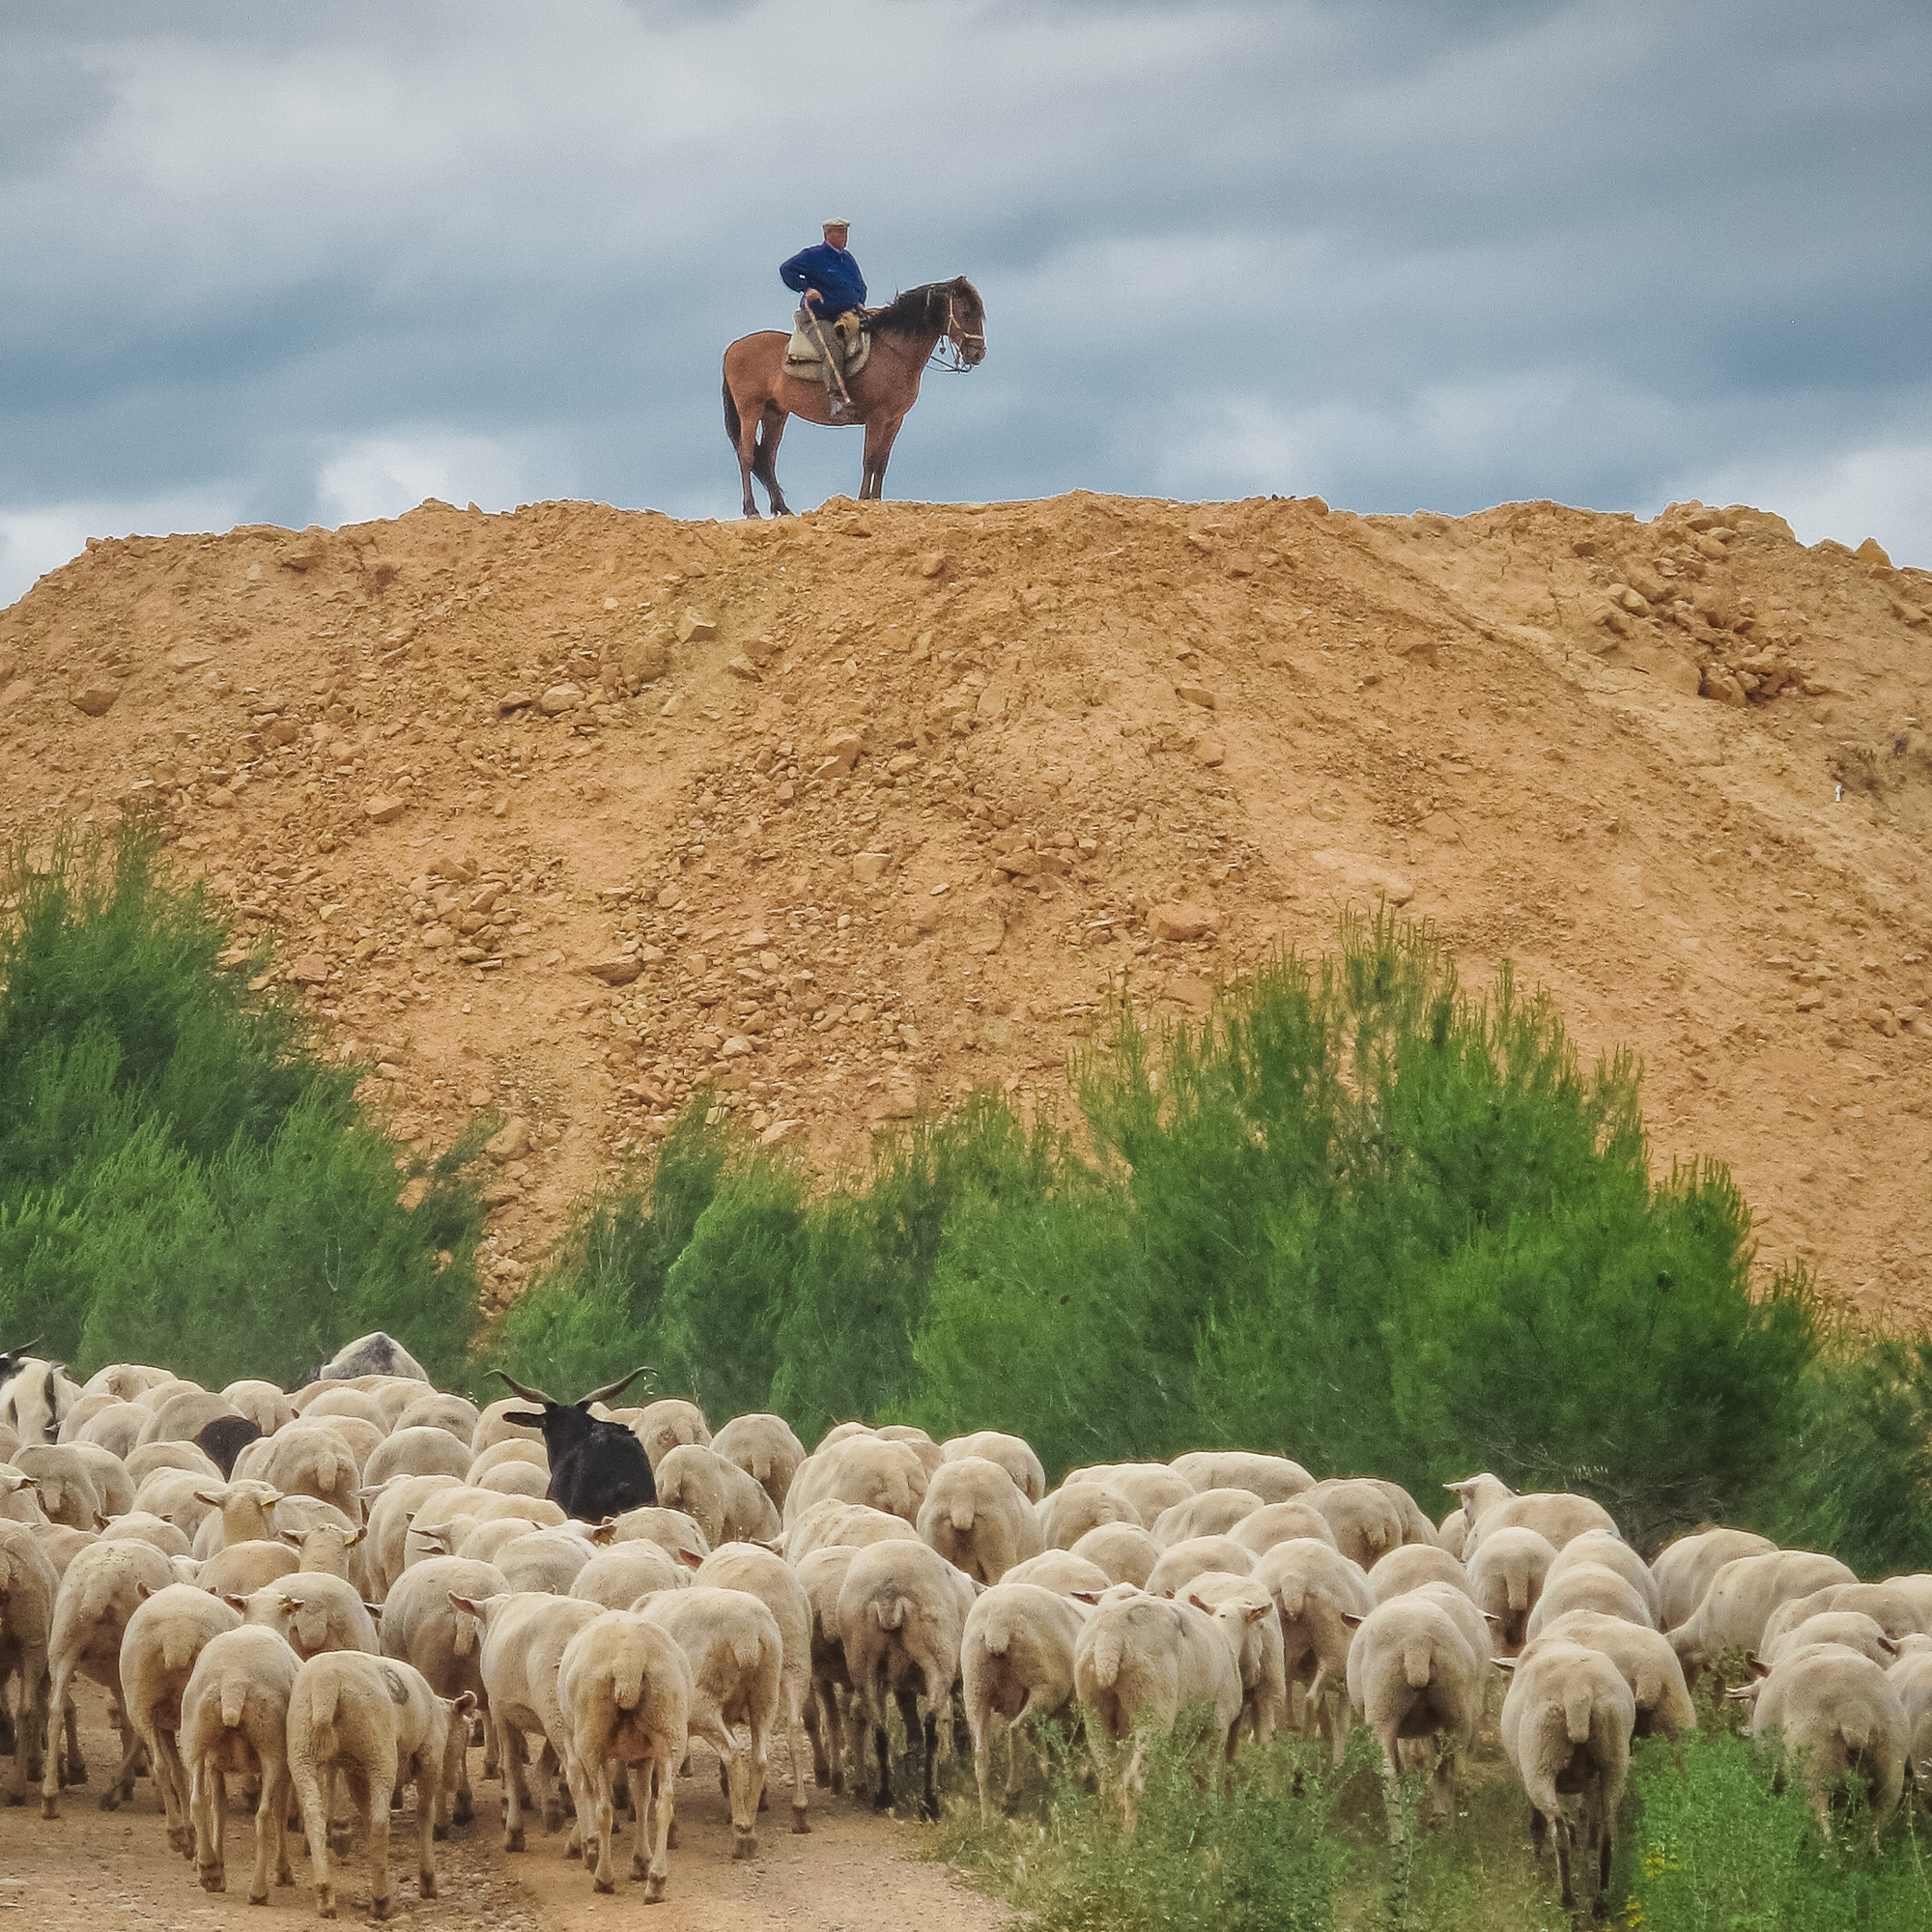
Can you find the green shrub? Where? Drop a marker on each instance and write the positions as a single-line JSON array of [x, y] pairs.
[[1718, 1845], [184, 1178]]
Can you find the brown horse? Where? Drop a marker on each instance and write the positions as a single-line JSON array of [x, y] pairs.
[[759, 395]]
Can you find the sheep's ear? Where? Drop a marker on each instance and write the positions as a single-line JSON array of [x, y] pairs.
[[1886, 1644], [759, 1542], [1756, 1665], [1505, 1663], [605, 1532], [1199, 1605], [146, 1593], [465, 1604], [462, 1706], [1352, 1620], [691, 1559], [235, 1602], [1490, 1617], [351, 1540], [375, 1610], [213, 1501], [288, 1537], [101, 1522], [1257, 1612], [1743, 1692], [1085, 1595]]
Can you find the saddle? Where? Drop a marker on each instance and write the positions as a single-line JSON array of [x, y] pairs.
[[801, 357]]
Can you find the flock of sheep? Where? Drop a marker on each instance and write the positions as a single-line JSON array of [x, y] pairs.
[[312, 1593]]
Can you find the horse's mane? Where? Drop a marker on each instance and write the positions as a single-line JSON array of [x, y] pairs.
[[921, 309]]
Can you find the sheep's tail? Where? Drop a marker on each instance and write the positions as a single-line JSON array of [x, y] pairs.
[[321, 1703], [627, 1677], [747, 1650], [178, 1648], [465, 1640], [1108, 1656], [962, 1514], [1291, 1599], [1577, 1709], [1856, 1728], [891, 1616], [234, 1701], [996, 1634], [1418, 1663], [1519, 1591]]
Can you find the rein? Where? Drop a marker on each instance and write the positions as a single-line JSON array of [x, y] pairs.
[[948, 353]]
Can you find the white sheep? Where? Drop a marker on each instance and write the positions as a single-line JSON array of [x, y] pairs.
[[765, 1448], [729, 1505], [141, 1526], [499, 1454], [1646, 1659], [1852, 1629], [1245, 1611], [1414, 1565], [1684, 1567], [313, 1613], [1506, 1577], [1738, 1605], [1014, 1456], [243, 1568], [736, 1655], [261, 1403], [1366, 1521], [548, 1561], [1139, 1656], [902, 1615], [757, 1571], [144, 1462], [164, 1637], [921, 1446], [1150, 1486], [833, 1524], [1566, 1727], [821, 1575], [308, 1459], [1281, 1522], [455, 1413], [1315, 1589], [1834, 1712], [1210, 1512], [1273, 1478], [868, 1470], [618, 1576], [1892, 1609], [1016, 1661], [377, 1722], [101, 1590], [1412, 1673], [65, 1482], [625, 1691], [977, 1519], [1555, 1514], [524, 1638], [1587, 1586], [1607, 1549], [110, 1478], [1070, 1511], [668, 1425], [29, 1587], [1127, 1554], [1182, 1562], [420, 1629], [234, 1722], [1063, 1572], [1911, 1680], [422, 1450]]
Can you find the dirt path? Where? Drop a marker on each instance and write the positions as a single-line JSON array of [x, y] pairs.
[[91, 1872]]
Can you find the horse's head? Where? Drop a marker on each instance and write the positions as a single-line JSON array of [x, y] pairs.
[[965, 321]]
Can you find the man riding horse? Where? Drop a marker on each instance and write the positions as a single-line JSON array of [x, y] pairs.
[[831, 311]]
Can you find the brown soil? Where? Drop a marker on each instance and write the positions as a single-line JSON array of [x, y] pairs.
[[91, 1872], [567, 811]]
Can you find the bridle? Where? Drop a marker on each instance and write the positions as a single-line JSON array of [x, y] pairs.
[[955, 341]]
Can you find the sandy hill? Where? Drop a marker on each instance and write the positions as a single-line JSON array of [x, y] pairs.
[[569, 811]]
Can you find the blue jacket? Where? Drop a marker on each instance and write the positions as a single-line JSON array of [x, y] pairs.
[[833, 273]]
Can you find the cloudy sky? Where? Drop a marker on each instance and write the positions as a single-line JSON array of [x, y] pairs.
[[313, 263]]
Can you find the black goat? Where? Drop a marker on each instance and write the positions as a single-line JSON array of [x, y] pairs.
[[596, 1468]]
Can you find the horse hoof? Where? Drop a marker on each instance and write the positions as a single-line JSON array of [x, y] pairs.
[[801, 1827], [603, 1885], [214, 1879]]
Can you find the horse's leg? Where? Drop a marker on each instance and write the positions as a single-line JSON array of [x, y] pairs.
[[879, 438], [771, 429], [747, 438]]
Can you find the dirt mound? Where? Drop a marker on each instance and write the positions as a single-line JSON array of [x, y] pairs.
[[568, 811]]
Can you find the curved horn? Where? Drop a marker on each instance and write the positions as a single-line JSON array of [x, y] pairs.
[[527, 1393], [604, 1394]]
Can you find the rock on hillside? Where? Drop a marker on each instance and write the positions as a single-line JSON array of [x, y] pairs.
[[570, 812]]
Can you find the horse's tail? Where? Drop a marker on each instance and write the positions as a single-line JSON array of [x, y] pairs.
[[732, 426]]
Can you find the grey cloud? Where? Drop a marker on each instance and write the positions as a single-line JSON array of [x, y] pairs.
[[1394, 253]]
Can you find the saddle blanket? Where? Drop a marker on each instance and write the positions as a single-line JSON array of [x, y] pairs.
[[802, 358]]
